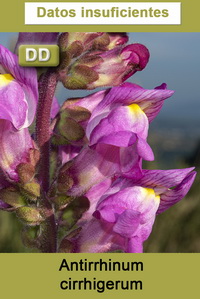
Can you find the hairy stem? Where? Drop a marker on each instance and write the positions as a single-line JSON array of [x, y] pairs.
[[47, 86]]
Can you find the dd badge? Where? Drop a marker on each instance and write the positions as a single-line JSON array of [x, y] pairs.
[[38, 55]]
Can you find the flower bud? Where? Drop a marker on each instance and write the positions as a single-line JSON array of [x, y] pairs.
[[31, 190], [61, 201], [26, 172], [109, 68], [68, 128], [80, 77], [29, 215], [110, 40], [64, 182], [12, 197], [85, 39]]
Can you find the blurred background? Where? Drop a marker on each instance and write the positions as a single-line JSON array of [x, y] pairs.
[[174, 137]]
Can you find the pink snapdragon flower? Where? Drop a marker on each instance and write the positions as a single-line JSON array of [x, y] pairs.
[[124, 215], [116, 134]]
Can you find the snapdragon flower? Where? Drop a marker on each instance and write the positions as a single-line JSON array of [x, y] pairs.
[[124, 215], [18, 102], [116, 134]]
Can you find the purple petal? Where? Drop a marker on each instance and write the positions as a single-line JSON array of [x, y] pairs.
[[14, 148], [132, 198], [120, 126], [91, 167], [117, 39], [127, 223], [26, 77], [95, 237], [164, 178], [137, 55], [135, 245], [130, 162], [34, 38], [4, 206], [144, 150], [94, 194], [13, 105], [55, 107], [150, 101], [173, 196], [68, 152], [89, 102]]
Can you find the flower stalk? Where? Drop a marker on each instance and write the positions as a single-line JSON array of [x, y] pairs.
[[47, 87]]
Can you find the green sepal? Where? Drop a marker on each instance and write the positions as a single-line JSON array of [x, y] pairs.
[[101, 42], [77, 113], [75, 49], [69, 128], [74, 211], [12, 197], [26, 172], [31, 190], [59, 140], [84, 73], [64, 181], [74, 83], [55, 162], [61, 201], [30, 215]]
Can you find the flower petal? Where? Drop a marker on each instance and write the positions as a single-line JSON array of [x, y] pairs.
[[91, 167], [34, 38], [135, 245], [95, 237], [25, 76], [127, 223], [134, 198], [55, 107], [173, 196], [127, 94], [164, 178], [121, 127], [13, 105], [14, 148]]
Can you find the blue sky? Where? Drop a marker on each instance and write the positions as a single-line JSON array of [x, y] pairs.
[[174, 59]]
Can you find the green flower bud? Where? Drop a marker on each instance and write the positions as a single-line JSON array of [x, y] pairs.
[[12, 197], [31, 189], [61, 201], [69, 128], [30, 215], [80, 76], [75, 112]]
